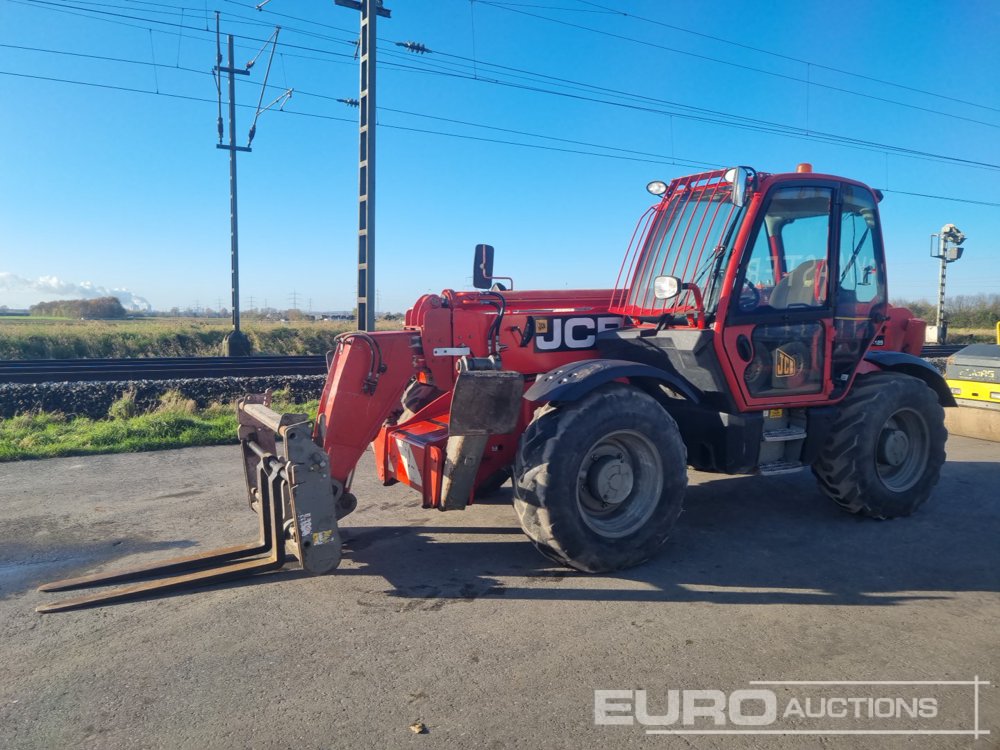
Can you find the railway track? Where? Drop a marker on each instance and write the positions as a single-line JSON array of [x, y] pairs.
[[174, 368], [940, 350], [158, 368]]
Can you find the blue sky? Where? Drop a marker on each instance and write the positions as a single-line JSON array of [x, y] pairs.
[[121, 190]]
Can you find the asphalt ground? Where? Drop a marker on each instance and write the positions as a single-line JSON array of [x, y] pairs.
[[455, 621]]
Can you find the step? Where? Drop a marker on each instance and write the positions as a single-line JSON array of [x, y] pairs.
[[779, 467], [784, 433]]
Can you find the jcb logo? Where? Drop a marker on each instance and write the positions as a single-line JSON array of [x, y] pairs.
[[785, 365], [564, 334]]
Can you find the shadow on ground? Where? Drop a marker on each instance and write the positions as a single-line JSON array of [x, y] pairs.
[[741, 540]]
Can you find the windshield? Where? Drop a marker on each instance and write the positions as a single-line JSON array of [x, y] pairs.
[[690, 236]]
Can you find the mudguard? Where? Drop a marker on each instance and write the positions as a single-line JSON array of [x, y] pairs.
[[916, 367], [572, 382]]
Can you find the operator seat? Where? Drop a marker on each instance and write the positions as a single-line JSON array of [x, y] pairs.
[[805, 286]]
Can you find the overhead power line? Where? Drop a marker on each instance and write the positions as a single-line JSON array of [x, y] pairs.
[[721, 61], [80, 10], [759, 126], [507, 6], [664, 160], [729, 119], [943, 198], [604, 9], [782, 56], [723, 119], [352, 102], [104, 58], [650, 159]]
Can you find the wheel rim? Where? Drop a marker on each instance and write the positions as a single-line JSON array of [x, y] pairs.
[[902, 449], [619, 484]]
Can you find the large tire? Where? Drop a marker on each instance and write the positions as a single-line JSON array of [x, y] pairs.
[[599, 483], [885, 450]]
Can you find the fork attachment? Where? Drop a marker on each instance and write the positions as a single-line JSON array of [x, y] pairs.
[[292, 494]]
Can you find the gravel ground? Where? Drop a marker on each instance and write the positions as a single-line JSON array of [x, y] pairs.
[[93, 399]]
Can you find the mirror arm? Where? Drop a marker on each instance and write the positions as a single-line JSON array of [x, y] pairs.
[[698, 301], [501, 278]]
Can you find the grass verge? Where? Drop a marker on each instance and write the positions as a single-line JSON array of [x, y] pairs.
[[175, 423]]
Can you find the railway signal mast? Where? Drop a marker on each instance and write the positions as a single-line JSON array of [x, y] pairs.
[[948, 249], [236, 344]]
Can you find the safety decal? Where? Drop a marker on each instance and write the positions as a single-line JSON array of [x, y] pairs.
[[409, 462], [322, 537]]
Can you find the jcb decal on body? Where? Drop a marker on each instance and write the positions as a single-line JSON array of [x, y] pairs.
[[565, 334], [785, 365]]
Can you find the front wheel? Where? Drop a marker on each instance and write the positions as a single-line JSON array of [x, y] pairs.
[[884, 454], [599, 483]]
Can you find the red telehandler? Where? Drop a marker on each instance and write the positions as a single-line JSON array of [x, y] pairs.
[[748, 331]]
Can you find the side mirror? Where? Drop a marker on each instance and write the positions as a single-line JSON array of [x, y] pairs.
[[666, 287], [738, 177], [482, 267]]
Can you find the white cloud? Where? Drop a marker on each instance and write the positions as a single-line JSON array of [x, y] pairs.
[[53, 285]]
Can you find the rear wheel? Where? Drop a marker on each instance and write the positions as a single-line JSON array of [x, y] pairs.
[[884, 453], [598, 484]]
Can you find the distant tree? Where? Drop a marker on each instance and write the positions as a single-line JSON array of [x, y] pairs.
[[101, 308]]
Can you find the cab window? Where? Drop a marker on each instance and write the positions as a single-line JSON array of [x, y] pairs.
[[861, 282], [787, 268], [860, 277]]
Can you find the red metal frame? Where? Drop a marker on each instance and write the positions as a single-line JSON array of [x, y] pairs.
[[412, 451], [349, 417]]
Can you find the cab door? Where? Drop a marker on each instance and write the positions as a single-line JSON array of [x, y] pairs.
[[860, 297], [779, 326]]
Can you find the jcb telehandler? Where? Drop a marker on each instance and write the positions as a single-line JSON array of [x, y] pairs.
[[748, 331]]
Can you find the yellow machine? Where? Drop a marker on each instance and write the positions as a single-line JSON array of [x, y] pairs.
[[973, 374]]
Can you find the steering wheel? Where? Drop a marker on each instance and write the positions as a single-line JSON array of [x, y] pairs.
[[749, 296]]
